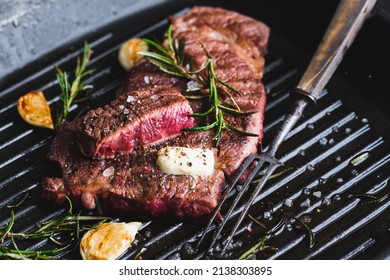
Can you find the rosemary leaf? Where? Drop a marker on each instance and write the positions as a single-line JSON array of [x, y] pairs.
[[229, 86], [221, 123], [309, 233], [203, 128], [26, 195], [159, 57], [202, 68], [169, 37], [232, 111], [273, 176], [202, 114], [9, 227], [179, 50], [56, 241], [196, 97], [156, 45], [257, 221], [171, 70], [241, 132], [376, 200]]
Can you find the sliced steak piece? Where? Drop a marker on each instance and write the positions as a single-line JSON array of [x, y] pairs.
[[132, 181], [141, 117]]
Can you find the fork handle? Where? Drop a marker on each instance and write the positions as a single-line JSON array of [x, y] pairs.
[[340, 34]]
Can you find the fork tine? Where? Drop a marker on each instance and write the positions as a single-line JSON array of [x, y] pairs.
[[248, 161], [253, 173], [270, 169]]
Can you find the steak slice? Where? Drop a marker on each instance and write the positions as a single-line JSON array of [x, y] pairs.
[[132, 181], [141, 117]]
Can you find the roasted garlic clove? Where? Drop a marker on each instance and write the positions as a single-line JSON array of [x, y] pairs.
[[108, 241], [128, 55], [34, 109]]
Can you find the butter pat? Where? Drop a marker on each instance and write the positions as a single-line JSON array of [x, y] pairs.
[[108, 241], [186, 161]]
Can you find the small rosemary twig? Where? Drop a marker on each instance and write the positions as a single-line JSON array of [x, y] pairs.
[[371, 199], [69, 225], [26, 195], [171, 60], [71, 90], [257, 221], [258, 247]]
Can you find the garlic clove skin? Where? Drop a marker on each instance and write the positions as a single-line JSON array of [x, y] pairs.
[[108, 241]]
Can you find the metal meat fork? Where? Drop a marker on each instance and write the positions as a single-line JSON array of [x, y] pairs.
[[340, 34]]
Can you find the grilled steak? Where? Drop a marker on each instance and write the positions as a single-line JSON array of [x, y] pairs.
[[141, 117], [130, 180]]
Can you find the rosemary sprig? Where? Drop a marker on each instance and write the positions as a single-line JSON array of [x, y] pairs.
[[68, 226], [273, 176], [170, 60], [70, 90]]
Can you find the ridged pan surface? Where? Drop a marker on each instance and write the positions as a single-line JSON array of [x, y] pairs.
[[331, 158]]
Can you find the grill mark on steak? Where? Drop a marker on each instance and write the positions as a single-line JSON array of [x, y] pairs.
[[132, 181]]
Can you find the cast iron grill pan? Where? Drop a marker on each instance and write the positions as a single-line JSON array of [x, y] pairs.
[[317, 184]]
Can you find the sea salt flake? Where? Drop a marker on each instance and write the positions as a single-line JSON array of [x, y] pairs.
[[192, 85], [317, 194], [267, 215], [305, 203], [288, 202], [130, 99], [323, 141], [154, 97], [126, 111], [146, 79], [109, 171]]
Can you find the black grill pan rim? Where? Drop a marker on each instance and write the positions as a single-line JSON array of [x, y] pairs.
[[368, 137]]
